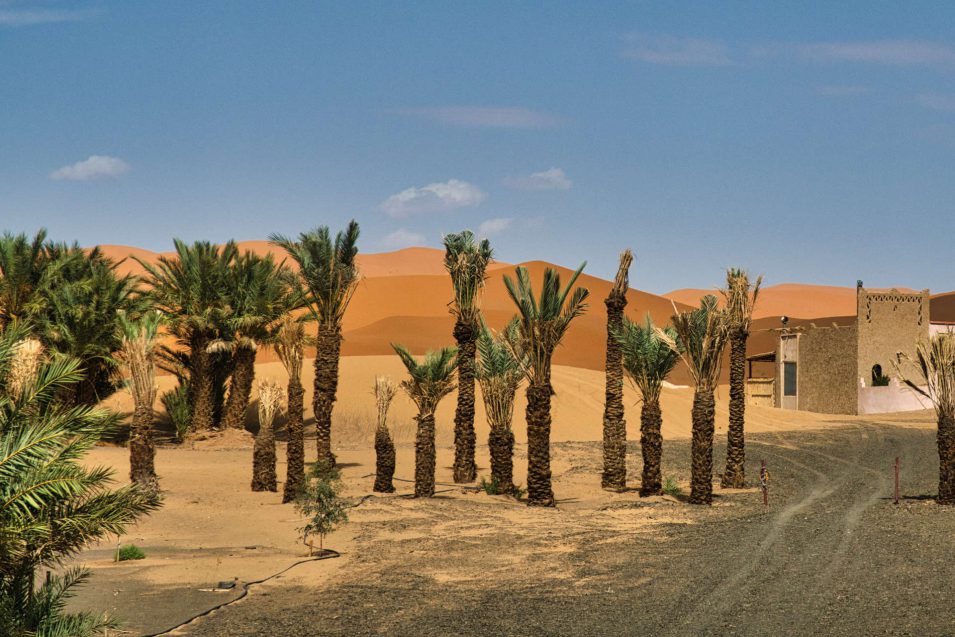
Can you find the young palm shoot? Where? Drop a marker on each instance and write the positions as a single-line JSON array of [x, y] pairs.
[[289, 344], [466, 261], [702, 334], [500, 375], [385, 391], [430, 380], [615, 427], [740, 297], [138, 354], [648, 360], [263, 452], [541, 324]]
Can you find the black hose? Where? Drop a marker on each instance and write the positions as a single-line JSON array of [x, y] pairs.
[[326, 554]]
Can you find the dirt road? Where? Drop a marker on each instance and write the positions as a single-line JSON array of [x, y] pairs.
[[831, 555]]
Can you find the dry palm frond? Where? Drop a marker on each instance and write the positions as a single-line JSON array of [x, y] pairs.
[[703, 334], [271, 396], [289, 343], [740, 297], [466, 261], [935, 362], [622, 281], [27, 355], [647, 358], [500, 375], [385, 391], [431, 380]]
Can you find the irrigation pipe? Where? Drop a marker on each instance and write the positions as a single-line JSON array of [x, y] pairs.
[[326, 554]]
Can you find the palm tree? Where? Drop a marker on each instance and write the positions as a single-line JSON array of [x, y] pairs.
[[740, 297], [53, 504], [615, 427], [263, 453], [23, 264], [500, 374], [542, 323], [431, 380], [935, 363], [138, 354], [466, 261], [648, 360], [289, 342], [702, 336], [385, 391], [330, 276], [189, 289], [260, 294]]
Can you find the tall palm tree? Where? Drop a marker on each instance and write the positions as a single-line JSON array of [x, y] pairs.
[[648, 361], [330, 275], [500, 374], [702, 335], [385, 391], [53, 504], [542, 323], [138, 354], [23, 263], [289, 342], [261, 292], [466, 261], [615, 427], [430, 380], [189, 289], [935, 364], [740, 297]]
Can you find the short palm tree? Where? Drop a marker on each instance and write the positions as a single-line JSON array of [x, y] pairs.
[[615, 427], [648, 360], [138, 355], [466, 260], [702, 336], [289, 342], [385, 391], [189, 289], [261, 292], [500, 374], [263, 453], [53, 504], [430, 380], [329, 275], [934, 378], [740, 295], [542, 323]]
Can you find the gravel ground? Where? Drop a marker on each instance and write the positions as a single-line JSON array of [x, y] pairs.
[[831, 555]]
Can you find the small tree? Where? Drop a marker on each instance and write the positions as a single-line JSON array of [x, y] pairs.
[[289, 343], [321, 504], [385, 391], [263, 453]]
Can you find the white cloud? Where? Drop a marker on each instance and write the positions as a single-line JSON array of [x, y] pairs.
[[937, 102], [550, 179], [672, 51], [402, 238], [891, 52], [494, 226], [437, 197], [484, 116], [842, 90], [94, 167], [30, 17]]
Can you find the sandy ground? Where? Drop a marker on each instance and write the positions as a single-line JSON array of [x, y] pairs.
[[212, 528]]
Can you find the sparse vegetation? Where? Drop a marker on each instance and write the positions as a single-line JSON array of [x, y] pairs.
[[671, 487], [130, 552]]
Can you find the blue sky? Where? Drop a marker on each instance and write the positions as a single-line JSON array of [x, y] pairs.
[[811, 143]]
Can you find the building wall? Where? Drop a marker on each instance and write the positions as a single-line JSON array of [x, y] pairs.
[[827, 366], [889, 323]]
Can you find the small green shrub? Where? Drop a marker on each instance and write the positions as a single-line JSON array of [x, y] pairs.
[[670, 487], [321, 504], [130, 552], [176, 403], [491, 487]]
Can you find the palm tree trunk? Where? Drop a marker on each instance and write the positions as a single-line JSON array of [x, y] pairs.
[[240, 389], [946, 460], [327, 354], [704, 417], [263, 459], [424, 457], [295, 450], [735, 475], [142, 451], [501, 445], [465, 470], [651, 444], [615, 427], [202, 385], [384, 461], [539, 491]]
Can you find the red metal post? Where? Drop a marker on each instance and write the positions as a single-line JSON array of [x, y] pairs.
[[896, 479]]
